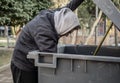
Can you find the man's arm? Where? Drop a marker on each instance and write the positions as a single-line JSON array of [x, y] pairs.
[[74, 4], [45, 41]]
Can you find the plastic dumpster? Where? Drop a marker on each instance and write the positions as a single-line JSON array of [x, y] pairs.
[[76, 64]]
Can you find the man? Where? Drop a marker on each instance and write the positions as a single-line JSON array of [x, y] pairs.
[[42, 33]]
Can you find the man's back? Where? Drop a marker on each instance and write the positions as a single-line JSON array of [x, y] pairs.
[[30, 39]]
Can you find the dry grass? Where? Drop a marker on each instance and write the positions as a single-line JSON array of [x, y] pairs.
[[5, 56]]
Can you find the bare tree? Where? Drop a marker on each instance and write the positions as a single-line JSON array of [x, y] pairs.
[[93, 27]]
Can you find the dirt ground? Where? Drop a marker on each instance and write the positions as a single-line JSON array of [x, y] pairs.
[[5, 76]]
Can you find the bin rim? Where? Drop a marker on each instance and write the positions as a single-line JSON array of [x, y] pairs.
[[75, 56]]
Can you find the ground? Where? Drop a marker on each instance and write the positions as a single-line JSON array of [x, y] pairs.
[[5, 76], [5, 73], [5, 55]]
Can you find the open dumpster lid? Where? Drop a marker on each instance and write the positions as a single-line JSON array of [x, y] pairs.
[[110, 10]]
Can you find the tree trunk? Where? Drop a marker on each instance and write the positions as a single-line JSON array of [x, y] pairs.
[[75, 33], [6, 35], [93, 28], [59, 3], [116, 37], [74, 38]]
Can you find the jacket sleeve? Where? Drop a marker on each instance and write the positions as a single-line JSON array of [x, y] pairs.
[[74, 4], [46, 41]]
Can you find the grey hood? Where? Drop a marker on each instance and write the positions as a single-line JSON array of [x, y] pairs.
[[65, 20]]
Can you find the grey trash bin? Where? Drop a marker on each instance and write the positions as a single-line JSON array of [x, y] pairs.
[[77, 65]]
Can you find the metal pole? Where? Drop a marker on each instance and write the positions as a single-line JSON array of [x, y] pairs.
[[98, 48], [96, 14]]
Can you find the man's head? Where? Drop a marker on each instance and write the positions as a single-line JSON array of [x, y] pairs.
[[65, 21]]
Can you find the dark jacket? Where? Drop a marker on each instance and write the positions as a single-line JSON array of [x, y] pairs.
[[38, 34]]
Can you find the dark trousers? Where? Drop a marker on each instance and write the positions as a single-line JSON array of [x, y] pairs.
[[20, 76]]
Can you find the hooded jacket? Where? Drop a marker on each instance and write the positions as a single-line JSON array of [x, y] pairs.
[[42, 33], [65, 20]]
